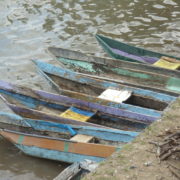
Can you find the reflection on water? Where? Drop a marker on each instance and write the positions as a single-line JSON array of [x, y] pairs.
[[27, 28]]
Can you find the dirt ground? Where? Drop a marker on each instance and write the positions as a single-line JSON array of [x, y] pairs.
[[138, 160]]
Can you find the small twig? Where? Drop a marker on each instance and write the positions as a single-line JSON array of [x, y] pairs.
[[175, 172], [165, 156], [154, 143], [170, 164]]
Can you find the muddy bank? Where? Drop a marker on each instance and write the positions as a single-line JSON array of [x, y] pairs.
[[138, 160]]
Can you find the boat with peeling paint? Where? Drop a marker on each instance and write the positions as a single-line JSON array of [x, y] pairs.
[[116, 71], [35, 104], [62, 78], [122, 51], [7, 119], [59, 146]]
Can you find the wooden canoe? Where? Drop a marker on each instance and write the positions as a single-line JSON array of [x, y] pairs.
[[119, 50], [52, 106], [112, 71], [8, 119], [59, 146], [58, 77]]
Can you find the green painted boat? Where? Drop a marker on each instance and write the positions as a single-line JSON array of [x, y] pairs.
[[122, 51], [110, 69]]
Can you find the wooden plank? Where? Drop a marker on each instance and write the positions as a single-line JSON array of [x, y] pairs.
[[168, 63], [172, 60], [69, 172], [82, 138], [77, 114], [115, 95]]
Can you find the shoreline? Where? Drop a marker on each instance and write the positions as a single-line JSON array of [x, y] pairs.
[[137, 160]]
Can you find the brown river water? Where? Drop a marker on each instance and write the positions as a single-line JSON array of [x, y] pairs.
[[27, 28]]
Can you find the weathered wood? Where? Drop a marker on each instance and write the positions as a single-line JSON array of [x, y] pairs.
[[116, 72], [58, 144], [151, 98], [69, 172], [32, 98], [60, 52], [82, 138], [77, 114], [168, 63], [68, 88]]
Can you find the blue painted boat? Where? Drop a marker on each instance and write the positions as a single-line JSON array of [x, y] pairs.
[[59, 146], [114, 135], [55, 141], [39, 104], [73, 81]]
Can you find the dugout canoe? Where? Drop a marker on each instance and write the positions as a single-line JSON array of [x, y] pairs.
[[111, 70], [119, 50], [63, 78], [59, 146], [22, 100], [8, 119]]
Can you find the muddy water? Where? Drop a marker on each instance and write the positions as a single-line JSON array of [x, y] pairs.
[[27, 28]]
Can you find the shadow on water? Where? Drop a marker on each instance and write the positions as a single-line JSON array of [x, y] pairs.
[[27, 28]]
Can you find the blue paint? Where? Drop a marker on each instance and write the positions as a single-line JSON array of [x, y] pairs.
[[14, 117], [106, 134], [33, 103], [45, 99], [137, 109], [129, 107], [56, 155], [49, 68], [82, 112], [25, 100], [62, 126]]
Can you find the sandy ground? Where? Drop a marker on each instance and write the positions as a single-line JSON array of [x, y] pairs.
[[138, 160]]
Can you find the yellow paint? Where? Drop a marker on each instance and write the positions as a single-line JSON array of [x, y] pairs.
[[168, 63], [74, 115]]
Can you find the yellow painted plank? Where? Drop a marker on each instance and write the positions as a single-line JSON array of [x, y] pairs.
[[77, 114], [168, 63]]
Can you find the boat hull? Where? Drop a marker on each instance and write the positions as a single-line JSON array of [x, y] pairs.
[[93, 85], [34, 98], [57, 149], [131, 77], [122, 51]]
